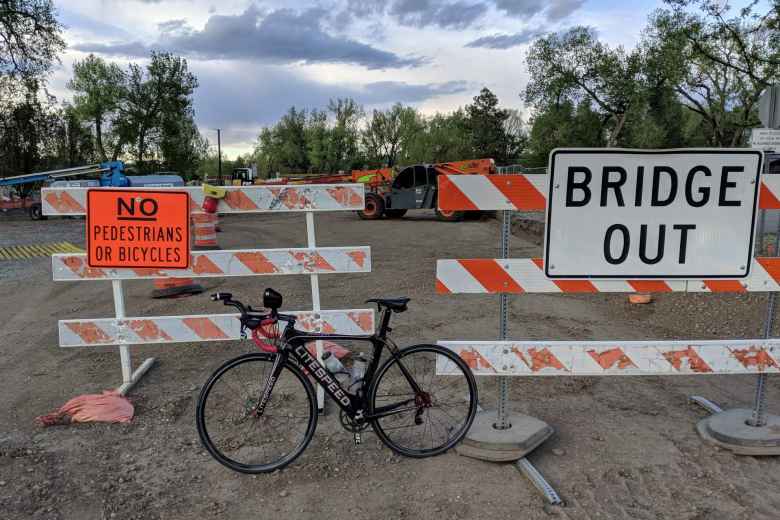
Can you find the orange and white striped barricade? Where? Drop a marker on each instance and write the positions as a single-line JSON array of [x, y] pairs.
[[311, 261], [504, 276]]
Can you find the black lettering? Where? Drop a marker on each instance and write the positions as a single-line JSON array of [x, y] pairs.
[[582, 185], [616, 185], [683, 228], [608, 242], [640, 178], [703, 190], [655, 199], [120, 202], [148, 207], [147, 234], [95, 232], [643, 244], [725, 184], [178, 235]]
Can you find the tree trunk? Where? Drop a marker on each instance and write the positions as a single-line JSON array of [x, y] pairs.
[[99, 137], [613, 137]]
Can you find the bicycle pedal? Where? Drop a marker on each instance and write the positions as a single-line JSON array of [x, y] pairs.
[[358, 439]]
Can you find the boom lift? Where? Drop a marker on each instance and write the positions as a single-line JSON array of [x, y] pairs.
[[112, 173]]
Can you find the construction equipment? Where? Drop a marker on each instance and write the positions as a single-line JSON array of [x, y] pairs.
[[415, 187], [20, 190]]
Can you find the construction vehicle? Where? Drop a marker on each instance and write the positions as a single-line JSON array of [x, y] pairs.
[[392, 195], [20, 192], [415, 187]]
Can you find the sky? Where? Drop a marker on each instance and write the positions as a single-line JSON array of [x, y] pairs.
[[254, 58]]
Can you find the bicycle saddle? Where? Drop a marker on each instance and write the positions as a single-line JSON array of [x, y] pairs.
[[394, 304]]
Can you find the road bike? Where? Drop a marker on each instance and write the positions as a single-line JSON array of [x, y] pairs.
[[258, 412]]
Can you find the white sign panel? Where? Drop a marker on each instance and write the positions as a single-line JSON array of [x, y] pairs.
[[634, 214], [765, 138]]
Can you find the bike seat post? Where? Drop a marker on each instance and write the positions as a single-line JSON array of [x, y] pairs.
[[385, 322]]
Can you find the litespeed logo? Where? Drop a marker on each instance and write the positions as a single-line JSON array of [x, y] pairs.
[[321, 375]]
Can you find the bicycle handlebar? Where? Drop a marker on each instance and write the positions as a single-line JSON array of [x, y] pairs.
[[227, 299]]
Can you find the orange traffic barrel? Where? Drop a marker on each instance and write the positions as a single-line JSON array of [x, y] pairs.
[[204, 231]]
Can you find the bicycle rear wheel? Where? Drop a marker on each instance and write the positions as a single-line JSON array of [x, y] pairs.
[[438, 417], [230, 428]]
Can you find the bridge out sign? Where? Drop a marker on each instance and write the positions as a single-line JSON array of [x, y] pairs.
[[634, 214], [138, 229]]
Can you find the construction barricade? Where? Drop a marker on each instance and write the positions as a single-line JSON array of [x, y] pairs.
[[492, 436], [312, 261]]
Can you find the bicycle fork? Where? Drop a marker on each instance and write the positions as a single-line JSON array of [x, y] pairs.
[[276, 370]]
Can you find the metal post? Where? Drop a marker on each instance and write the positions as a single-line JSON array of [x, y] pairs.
[[759, 404], [502, 423], [129, 378], [311, 243], [219, 153], [124, 350]]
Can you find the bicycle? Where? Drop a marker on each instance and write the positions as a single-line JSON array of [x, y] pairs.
[[258, 412]]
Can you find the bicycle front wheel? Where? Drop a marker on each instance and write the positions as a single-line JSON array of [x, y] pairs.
[[429, 421], [236, 435]]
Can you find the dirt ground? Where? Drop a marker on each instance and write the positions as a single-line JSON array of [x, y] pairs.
[[624, 447]]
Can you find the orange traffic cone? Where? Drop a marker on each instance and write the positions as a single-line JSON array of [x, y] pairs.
[[175, 287]]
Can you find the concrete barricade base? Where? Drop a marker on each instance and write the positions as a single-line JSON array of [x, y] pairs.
[[485, 442], [729, 430]]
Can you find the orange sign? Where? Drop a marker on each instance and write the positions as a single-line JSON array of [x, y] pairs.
[[144, 229]]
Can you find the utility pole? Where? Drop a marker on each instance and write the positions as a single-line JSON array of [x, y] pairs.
[[219, 154]]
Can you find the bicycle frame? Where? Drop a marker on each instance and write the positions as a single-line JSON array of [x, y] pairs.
[[353, 405]]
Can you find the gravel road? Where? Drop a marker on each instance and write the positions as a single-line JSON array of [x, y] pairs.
[[624, 447]]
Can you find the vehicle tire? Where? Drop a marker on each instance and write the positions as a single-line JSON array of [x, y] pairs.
[[395, 213], [242, 441], [375, 207], [450, 410], [36, 212], [449, 216]]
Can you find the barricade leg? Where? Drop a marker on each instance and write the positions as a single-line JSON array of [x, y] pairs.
[[501, 435], [129, 378], [743, 431]]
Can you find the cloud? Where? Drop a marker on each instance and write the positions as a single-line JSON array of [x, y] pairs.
[[239, 97], [281, 36], [424, 13], [505, 41], [559, 9], [554, 9]]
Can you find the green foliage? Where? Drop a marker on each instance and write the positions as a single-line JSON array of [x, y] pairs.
[[30, 38], [344, 138], [99, 88]]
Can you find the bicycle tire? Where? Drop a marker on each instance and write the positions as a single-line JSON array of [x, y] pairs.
[[202, 417], [464, 424]]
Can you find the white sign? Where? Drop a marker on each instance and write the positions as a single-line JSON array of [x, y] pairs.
[[633, 214], [765, 139]]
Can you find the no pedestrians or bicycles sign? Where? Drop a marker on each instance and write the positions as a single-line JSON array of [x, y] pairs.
[[138, 229], [634, 214]]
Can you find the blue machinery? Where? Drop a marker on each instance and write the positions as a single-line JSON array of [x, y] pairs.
[[112, 173]]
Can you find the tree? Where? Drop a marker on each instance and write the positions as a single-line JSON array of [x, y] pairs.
[[99, 88], [29, 38], [161, 92], [718, 65], [486, 124], [575, 65], [344, 137], [390, 133]]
